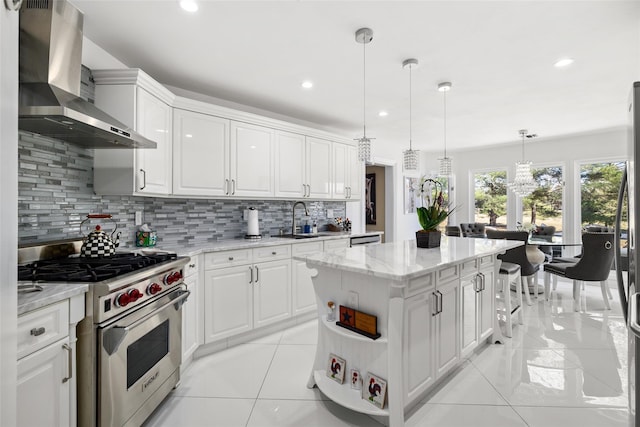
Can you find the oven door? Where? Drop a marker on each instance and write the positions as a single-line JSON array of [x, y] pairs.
[[137, 354]]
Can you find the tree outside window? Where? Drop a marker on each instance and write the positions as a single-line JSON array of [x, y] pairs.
[[599, 184], [491, 198], [544, 204]]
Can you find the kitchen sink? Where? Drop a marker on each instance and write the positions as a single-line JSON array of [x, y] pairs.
[[299, 236]]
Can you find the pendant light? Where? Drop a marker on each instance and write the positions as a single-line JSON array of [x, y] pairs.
[[445, 162], [523, 184], [364, 36], [410, 156]]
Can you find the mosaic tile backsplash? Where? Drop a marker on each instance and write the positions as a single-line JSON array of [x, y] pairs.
[[55, 193]]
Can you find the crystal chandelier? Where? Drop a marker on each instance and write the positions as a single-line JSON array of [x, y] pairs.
[[364, 36], [445, 162], [523, 184], [410, 156]]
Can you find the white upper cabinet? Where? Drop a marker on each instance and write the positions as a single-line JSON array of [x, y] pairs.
[[201, 153], [252, 165], [133, 98], [318, 162], [290, 165], [347, 172]]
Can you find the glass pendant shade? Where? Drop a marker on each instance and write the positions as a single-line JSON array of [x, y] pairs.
[[523, 184], [410, 160], [364, 149], [445, 166]]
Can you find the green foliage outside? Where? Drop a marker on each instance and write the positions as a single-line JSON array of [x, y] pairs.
[[491, 194], [600, 183], [546, 200]]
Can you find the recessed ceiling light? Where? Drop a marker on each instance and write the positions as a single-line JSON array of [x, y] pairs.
[[383, 114], [563, 62], [189, 5], [307, 84]]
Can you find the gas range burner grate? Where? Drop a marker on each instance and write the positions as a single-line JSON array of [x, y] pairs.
[[81, 269]]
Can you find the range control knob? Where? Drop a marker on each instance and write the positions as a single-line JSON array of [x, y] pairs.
[[172, 278], [135, 295], [153, 289], [121, 300]]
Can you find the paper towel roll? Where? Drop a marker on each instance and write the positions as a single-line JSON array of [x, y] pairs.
[[252, 222]]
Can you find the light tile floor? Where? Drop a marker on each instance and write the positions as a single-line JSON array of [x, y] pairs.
[[561, 368]]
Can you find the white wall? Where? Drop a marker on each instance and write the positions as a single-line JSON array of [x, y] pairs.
[[8, 213], [568, 151], [95, 57]]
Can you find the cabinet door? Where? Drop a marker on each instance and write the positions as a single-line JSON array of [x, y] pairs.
[[43, 399], [469, 313], [447, 326], [190, 324], [487, 313], [318, 164], [200, 154], [153, 167], [418, 344], [340, 171], [252, 153], [271, 292], [228, 298], [290, 165], [356, 174]]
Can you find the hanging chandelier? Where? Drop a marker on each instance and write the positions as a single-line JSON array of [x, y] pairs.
[[364, 36], [523, 184], [410, 156], [445, 162]]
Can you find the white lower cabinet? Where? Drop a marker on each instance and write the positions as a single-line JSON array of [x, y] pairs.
[[192, 319], [469, 304], [487, 300], [44, 388], [46, 368], [302, 296], [418, 350], [446, 326], [247, 295]]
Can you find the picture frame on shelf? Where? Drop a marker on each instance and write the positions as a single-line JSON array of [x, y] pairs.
[[336, 368], [356, 379], [374, 390]]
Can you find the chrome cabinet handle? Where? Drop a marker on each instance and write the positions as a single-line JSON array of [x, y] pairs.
[[304, 190], [69, 362], [308, 190], [484, 281], [274, 253], [251, 277], [192, 265], [230, 258], [348, 192], [233, 187], [36, 332], [440, 301], [144, 179], [435, 304], [226, 187], [257, 275]]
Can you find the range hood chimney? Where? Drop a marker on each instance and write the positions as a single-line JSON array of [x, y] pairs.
[[50, 74]]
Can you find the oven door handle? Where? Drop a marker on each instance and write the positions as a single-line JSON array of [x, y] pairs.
[[115, 334]]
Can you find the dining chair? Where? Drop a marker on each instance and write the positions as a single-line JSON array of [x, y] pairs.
[[518, 256], [474, 229], [545, 232], [452, 230], [593, 266]]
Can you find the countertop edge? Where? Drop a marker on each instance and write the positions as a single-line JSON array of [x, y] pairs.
[[50, 294]]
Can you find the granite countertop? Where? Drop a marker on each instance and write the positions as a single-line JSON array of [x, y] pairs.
[[50, 294], [403, 260], [226, 245]]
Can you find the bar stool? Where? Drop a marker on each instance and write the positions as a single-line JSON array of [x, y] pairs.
[[510, 274]]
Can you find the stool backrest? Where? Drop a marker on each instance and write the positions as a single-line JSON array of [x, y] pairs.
[[516, 255]]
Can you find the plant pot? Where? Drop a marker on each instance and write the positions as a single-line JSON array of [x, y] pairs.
[[428, 238]]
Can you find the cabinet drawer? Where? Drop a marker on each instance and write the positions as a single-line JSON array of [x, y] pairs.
[[448, 274], [307, 248], [469, 267], [192, 266], [486, 261], [227, 258], [330, 245], [420, 284], [41, 327], [271, 253]]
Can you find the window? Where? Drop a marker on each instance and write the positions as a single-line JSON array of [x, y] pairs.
[[544, 205], [490, 195], [599, 185]]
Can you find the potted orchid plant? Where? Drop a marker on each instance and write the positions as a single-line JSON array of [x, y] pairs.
[[432, 213]]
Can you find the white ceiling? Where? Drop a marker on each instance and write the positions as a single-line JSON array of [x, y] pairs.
[[498, 55]]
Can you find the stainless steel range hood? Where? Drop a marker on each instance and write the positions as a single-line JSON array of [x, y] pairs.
[[50, 72]]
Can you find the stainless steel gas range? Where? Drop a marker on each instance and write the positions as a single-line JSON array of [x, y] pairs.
[[129, 343]]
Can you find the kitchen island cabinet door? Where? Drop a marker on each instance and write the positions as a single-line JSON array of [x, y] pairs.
[[447, 327], [271, 292], [318, 163], [469, 300], [200, 154], [252, 160], [486, 303], [418, 348], [43, 397], [228, 298]]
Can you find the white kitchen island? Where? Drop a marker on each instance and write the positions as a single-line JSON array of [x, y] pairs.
[[433, 307]]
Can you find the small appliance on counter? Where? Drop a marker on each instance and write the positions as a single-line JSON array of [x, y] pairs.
[[253, 231]]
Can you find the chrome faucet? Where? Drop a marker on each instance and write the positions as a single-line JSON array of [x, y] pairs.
[[293, 216]]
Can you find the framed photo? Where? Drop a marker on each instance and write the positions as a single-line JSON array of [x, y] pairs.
[[356, 379], [374, 389], [336, 368]]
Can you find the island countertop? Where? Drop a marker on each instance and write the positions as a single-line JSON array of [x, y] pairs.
[[403, 260]]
